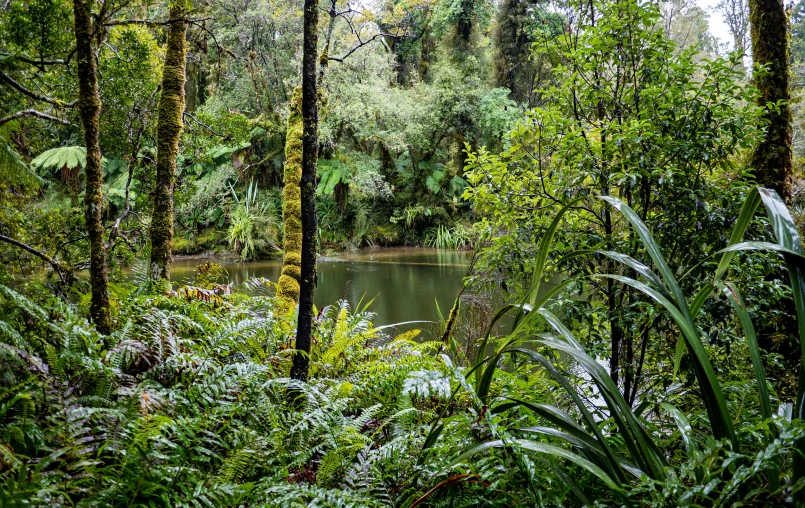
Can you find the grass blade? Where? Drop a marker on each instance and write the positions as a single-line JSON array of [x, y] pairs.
[[748, 209], [549, 449], [544, 248], [738, 303], [785, 231], [714, 399], [685, 429]]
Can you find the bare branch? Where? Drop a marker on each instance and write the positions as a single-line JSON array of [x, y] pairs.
[[13, 84], [152, 22], [31, 112], [201, 26], [42, 62], [199, 122], [361, 43], [65, 272]]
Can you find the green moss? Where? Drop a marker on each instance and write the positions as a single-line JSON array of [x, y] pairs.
[[288, 290], [211, 239], [451, 321], [169, 130], [89, 106], [772, 158]]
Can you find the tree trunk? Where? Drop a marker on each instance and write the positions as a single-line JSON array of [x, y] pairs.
[[772, 161], [772, 157], [89, 106], [169, 129], [288, 290], [310, 142], [325, 53]]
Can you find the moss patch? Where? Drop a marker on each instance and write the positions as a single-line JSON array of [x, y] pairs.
[[169, 130], [288, 290]]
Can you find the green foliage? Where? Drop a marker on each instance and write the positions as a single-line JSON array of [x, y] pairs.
[[254, 226], [634, 467], [457, 237], [17, 171], [187, 402], [331, 173], [60, 157], [129, 68], [633, 368], [45, 18]]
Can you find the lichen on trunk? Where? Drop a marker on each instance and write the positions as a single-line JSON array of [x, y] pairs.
[[772, 158], [89, 106], [288, 290], [169, 130]]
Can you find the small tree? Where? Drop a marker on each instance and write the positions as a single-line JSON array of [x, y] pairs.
[[630, 117]]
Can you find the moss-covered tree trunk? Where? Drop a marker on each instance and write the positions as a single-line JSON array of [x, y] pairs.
[[310, 150], [89, 106], [772, 157], [772, 162], [512, 45], [169, 129], [288, 290]]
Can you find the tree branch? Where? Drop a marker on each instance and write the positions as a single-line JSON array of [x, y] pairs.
[[152, 22], [43, 62], [199, 122], [65, 272], [359, 46], [33, 95], [31, 112]]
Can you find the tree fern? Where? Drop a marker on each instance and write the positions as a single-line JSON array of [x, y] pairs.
[[60, 157]]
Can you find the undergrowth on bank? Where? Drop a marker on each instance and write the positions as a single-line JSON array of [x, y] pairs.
[[187, 403]]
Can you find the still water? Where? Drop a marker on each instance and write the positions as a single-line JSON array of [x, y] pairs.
[[406, 281]]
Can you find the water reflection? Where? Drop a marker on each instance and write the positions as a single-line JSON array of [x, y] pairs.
[[406, 281]]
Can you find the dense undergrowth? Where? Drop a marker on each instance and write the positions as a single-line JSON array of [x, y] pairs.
[[187, 404], [599, 164]]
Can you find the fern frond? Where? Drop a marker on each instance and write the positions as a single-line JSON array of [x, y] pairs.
[[15, 171]]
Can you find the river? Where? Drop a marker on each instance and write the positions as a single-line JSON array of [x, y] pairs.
[[406, 281]]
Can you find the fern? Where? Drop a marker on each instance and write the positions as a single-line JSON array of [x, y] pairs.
[[427, 383], [303, 496], [61, 157], [185, 404], [15, 170]]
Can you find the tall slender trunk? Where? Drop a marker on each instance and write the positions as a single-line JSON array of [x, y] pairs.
[[772, 157], [772, 161], [89, 106], [310, 150], [324, 58], [288, 285], [169, 129]]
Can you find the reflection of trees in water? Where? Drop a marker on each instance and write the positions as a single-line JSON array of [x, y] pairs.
[[405, 282]]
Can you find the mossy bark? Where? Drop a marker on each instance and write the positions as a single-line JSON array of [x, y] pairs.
[[310, 151], [772, 157], [169, 130], [772, 162], [89, 107], [512, 38], [324, 58], [288, 290]]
